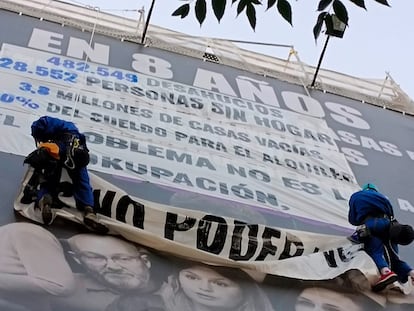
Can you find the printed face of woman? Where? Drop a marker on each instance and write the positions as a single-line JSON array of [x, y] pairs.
[[205, 286], [322, 299]]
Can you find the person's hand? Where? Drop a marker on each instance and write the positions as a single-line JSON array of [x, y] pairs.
[[168, 293], [37, 158]]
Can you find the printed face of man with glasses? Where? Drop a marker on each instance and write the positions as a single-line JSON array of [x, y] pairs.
[[113, 262]]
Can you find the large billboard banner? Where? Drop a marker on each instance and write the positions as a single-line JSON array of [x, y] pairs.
[[222, 189], [201, 144]]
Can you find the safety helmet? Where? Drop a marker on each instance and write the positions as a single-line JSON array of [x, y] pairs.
[[369, 186]]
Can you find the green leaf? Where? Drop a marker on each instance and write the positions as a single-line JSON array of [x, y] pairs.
[[329, 22], [318, 26], [323, 4], [242, 5], [360, 3], [384, 2], [201, 10], [182, 11], [340, 11], [270, 3], [219, 6], [251, 15], [284, 8]]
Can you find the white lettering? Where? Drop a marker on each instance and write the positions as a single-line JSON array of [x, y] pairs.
[[151, 65], [410, 154], [263, 91], [213, 81], [77, 48], [405, 205], [390, 148], [303, 104], [46, 41], [370, 143], [354, 156], [347, 116], [348, 138]]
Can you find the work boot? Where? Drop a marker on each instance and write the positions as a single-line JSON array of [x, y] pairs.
[[354, 238], [29, 194], [91, 221], [45, 205], [386, 280]]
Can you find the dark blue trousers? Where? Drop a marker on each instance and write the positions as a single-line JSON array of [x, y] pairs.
[[382, 250], [82, 190]]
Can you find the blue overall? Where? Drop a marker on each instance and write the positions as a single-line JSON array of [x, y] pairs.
[[52, 129], [373, 209]]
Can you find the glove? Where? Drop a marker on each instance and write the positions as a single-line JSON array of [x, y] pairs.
[[38, 158], [363, 232]]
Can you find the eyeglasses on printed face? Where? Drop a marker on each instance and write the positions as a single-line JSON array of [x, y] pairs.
[[101, 260]]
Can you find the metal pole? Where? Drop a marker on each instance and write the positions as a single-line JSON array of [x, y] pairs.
[[320, 61], [144, 34]]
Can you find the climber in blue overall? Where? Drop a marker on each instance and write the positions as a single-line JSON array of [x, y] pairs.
[[373, 213], [59, 141]]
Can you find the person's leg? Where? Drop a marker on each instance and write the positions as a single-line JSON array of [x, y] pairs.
[[83, 193], [375, 249], [31, 190], [82, 190], [401, 268], [378, 227], [48, 190]]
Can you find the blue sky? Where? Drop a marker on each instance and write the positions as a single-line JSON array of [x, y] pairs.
[[378, 39]]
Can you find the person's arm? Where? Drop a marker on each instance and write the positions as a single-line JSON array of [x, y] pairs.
[[42, 257], [352, 214], [383, 203], [390, 208]]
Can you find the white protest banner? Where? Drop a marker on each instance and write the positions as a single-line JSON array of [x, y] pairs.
[[215, 239]]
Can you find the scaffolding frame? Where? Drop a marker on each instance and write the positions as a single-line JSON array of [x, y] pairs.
[[385, 93]]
